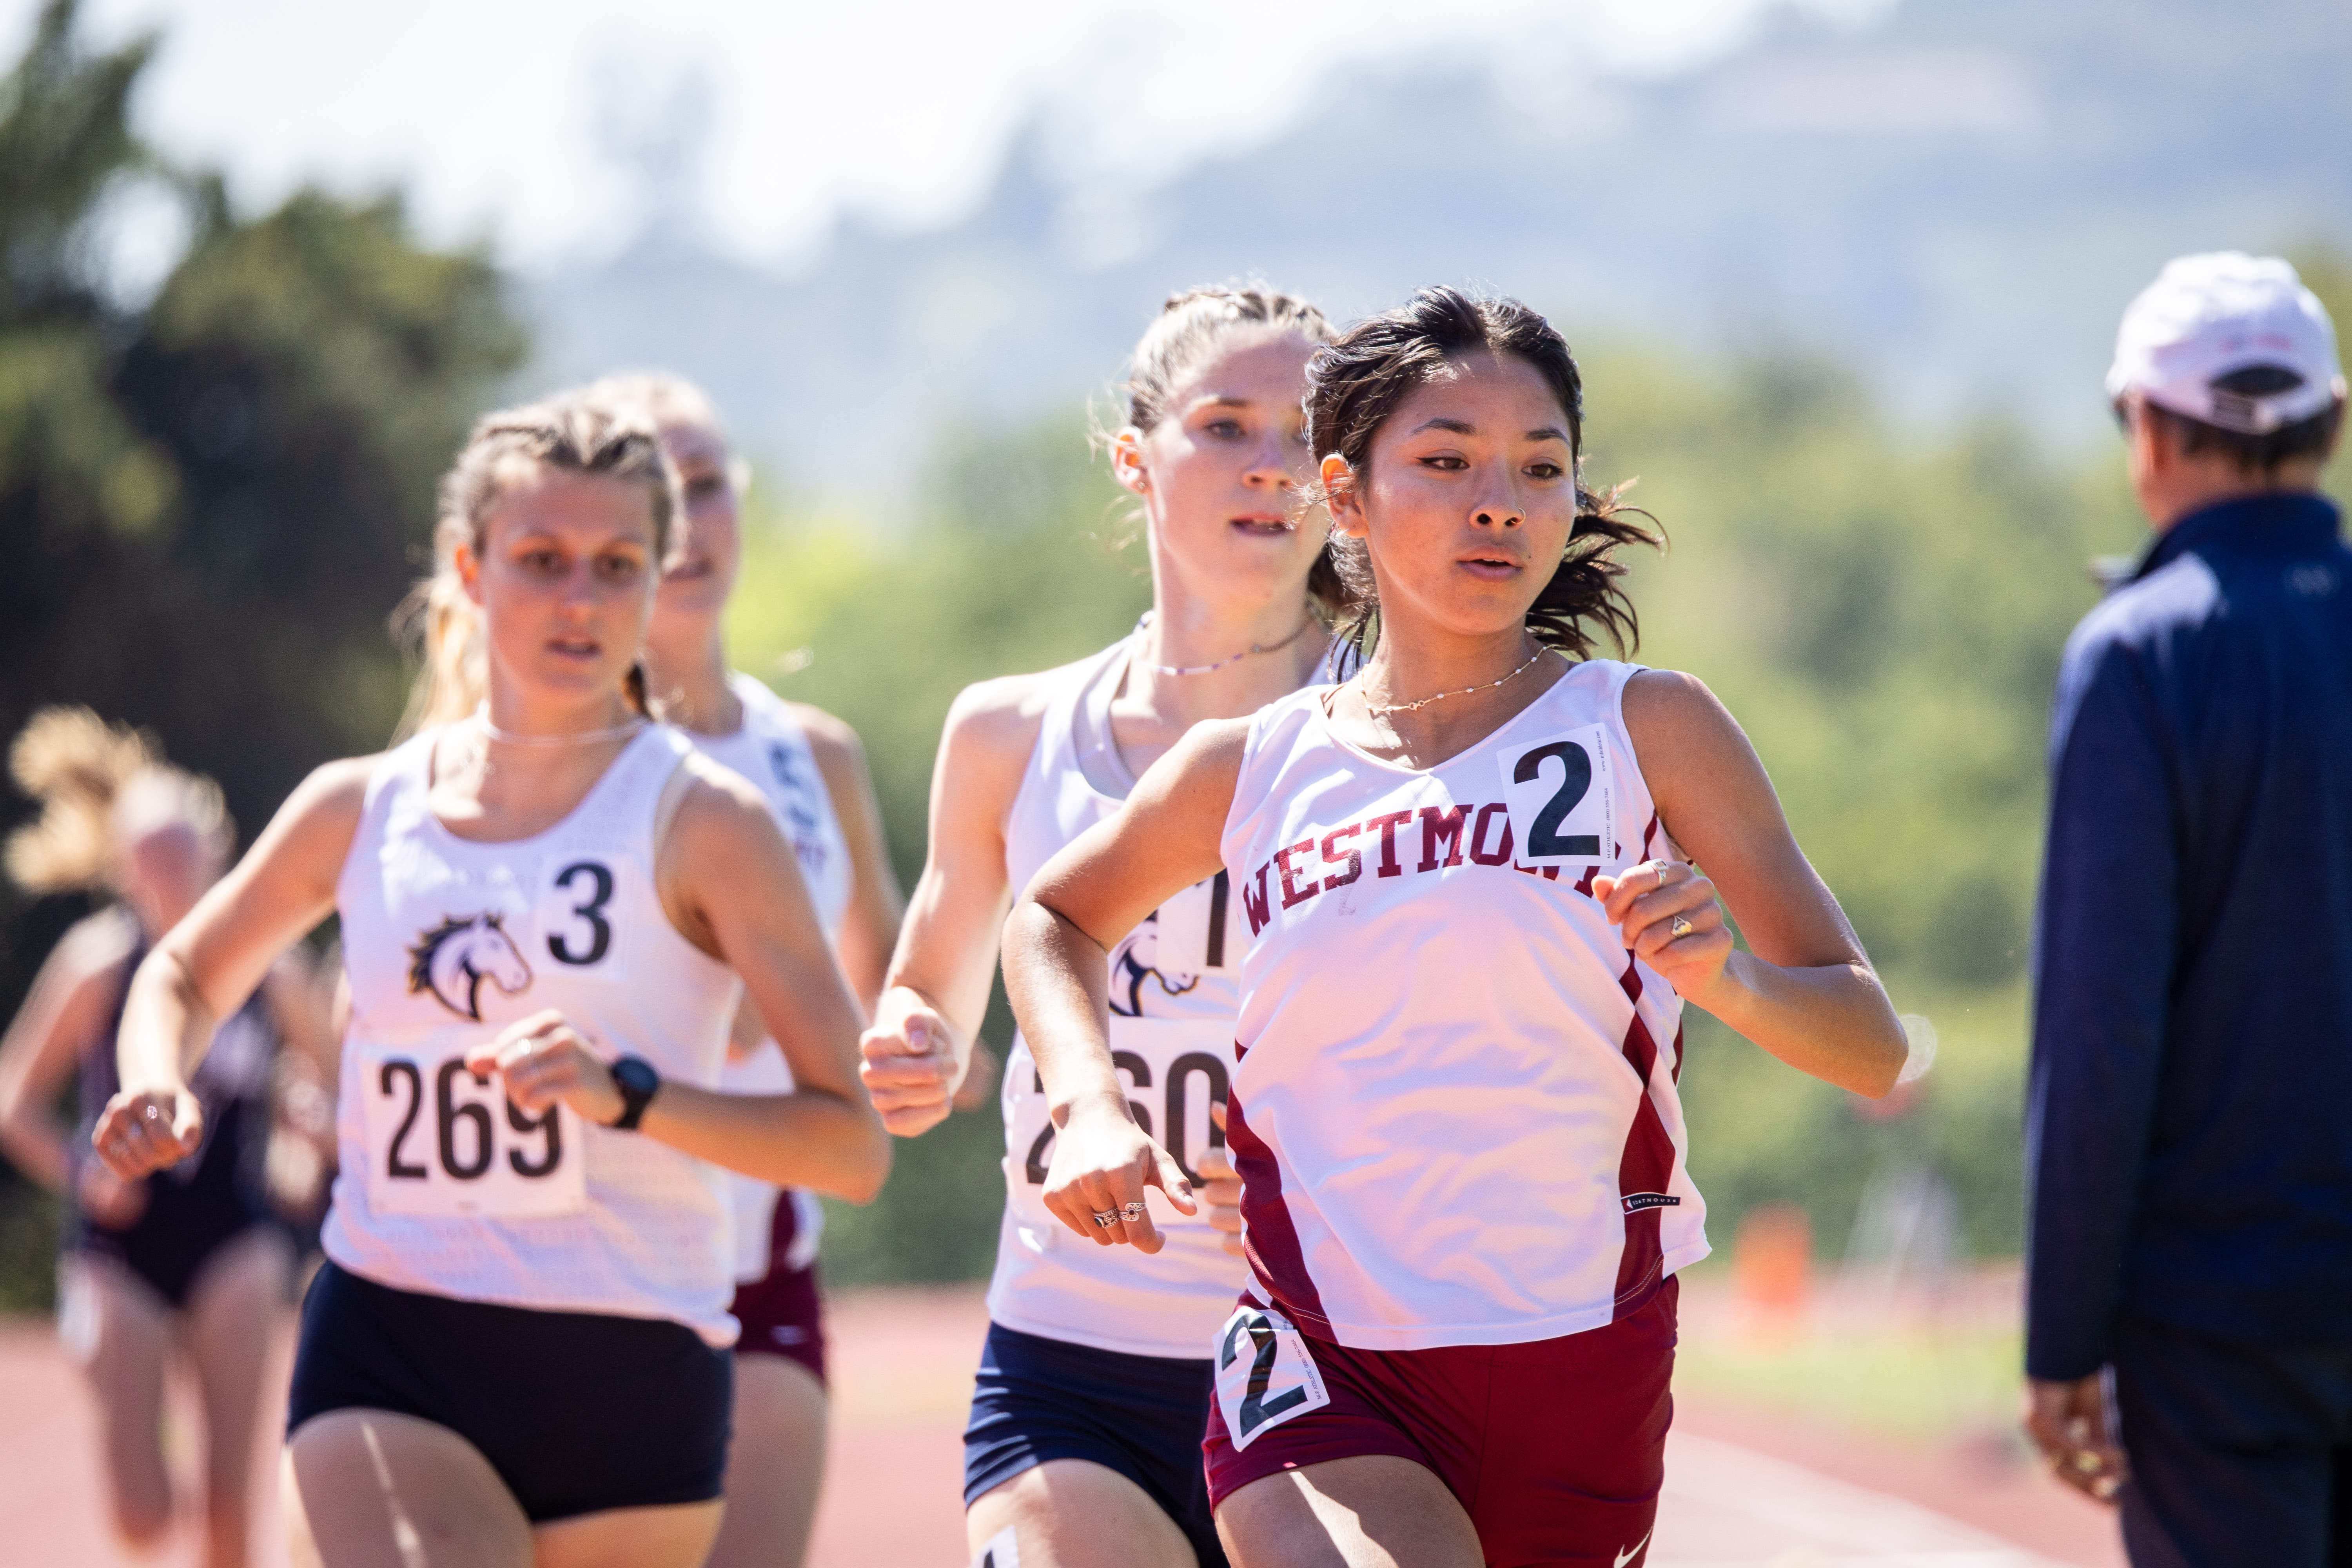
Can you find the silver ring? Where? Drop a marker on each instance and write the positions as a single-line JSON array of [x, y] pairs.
[[1133, 1210], [1105, 1218], [1658, 870], [1682, 928], [152, 1112]]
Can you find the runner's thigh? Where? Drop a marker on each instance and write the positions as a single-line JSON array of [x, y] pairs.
[[123, 1334], [367, 1489], [1075, 1513], [233, 1317], [1373, 1510], [668, 1535], [775, 1464]]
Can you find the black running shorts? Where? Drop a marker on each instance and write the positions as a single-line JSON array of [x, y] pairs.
[[578, 1412]]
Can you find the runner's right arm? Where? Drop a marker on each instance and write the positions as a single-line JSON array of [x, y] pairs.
[[920, 1045], [1103, 885], [69, 1003], [212, 961]]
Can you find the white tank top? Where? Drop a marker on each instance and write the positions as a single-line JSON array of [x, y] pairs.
[[1173, 998], [771, 750], [1454, 1116], [445, 1187]]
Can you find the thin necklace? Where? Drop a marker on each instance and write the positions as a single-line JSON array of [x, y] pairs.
[[575, 738], [1377, 711], [1205, 669]]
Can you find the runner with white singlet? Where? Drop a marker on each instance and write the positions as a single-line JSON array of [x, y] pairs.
[[1474, 918], [811, 768], [521, 1331], [1083, 1446]]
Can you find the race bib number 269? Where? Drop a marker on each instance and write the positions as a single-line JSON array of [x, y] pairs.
[[442, 1143], [1264, 1374]]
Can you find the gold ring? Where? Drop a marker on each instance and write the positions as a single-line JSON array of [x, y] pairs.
[[1682, 928]]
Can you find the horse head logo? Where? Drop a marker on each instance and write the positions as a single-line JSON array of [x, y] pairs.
[[1130, 972], [454, 958]]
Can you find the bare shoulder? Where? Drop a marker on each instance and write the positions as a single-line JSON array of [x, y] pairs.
[[1202, 769], [94, 947], [997, 722], [839, 754], [717, 799], [829, 736], [1215, 744], [335, 791], [1672, 712]]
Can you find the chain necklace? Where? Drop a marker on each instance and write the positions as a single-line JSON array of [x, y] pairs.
[[575, 738], [1377, 711], [1236, 659]]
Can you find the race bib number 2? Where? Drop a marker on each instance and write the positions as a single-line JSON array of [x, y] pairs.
[[1264, 1374], [1563, 799], [441, 1142]]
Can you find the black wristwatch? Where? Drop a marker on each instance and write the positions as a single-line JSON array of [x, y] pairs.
[[639, 1083]]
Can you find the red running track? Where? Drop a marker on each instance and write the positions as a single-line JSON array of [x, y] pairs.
[[1745, 1489]]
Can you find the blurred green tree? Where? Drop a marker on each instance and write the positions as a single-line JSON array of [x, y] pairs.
[[210, 499]]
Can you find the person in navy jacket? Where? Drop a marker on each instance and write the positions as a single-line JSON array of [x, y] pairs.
[[2189, 1135]]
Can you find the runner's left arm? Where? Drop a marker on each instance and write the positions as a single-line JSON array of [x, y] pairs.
[[1804, 990], [877, 903]]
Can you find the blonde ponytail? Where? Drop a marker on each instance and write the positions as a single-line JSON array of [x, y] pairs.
[[439, 625], [89, 774]]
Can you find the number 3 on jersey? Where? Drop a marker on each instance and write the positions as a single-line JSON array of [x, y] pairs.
[[575, 917], [442, 1143], [1264, 1374]]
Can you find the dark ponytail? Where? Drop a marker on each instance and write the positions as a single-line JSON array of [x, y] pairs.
[[1357, 379]]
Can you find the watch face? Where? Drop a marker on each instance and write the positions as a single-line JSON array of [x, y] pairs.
[[635, 1076]]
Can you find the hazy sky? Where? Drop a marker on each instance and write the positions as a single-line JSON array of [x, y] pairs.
[[511, 119]]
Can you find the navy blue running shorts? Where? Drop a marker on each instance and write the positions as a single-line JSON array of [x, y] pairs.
[[577, 1412], [1037, 1399]]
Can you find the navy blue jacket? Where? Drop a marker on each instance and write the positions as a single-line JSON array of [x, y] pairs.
[[2189, 1130]]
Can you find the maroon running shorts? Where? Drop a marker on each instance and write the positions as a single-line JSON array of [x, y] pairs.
[[1555, 1448], [781, 1312]]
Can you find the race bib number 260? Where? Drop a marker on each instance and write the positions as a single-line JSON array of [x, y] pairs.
[[1264, 1374], [442, 1143]]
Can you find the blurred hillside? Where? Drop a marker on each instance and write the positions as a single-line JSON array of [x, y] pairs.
[[1955, 197]]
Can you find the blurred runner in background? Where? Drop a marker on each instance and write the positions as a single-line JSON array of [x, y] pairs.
[[1084, 1445], [2189, 1120], [517, 1351], [811, 769], [190, 1260]]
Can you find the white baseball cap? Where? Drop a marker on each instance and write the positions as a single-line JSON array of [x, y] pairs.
[[2207, 316]]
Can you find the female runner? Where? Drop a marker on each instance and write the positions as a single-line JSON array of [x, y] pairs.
[[1474, 918], [1083, 1446], [811, 769], [194, 1258], [517, 1352]]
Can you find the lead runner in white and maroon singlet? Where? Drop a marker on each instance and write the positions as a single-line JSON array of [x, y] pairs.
[[1474, 918]]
